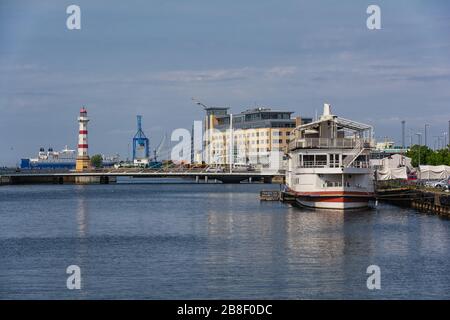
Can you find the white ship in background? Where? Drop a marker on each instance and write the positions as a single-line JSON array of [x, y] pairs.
[[328, 164], [64, 159]]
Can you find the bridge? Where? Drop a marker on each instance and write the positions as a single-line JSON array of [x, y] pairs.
[[105, 176]]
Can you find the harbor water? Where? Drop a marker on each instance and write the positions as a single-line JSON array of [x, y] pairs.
[[209, 241]]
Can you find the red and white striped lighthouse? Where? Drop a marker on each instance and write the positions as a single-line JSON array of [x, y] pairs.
[[83, 155]]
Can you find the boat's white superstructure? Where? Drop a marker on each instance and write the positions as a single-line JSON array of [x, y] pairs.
[[329, 163], [65, 155]]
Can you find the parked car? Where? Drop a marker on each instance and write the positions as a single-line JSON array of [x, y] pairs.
[[444, 184], [439, 184], [427, 183]]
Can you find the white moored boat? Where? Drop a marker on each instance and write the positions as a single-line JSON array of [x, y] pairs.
[[329, 163]]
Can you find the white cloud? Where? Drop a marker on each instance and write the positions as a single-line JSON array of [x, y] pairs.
[[225, 74]]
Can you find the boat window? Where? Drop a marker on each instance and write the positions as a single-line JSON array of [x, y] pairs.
[[321, 158], [334, 160]]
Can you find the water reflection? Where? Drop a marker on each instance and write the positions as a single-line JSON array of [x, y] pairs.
[[82, 220], [294, 249], [82, 211], [81, 253], [431, 234]]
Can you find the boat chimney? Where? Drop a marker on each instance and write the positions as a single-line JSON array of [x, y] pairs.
[[326, 112], [326, 109]]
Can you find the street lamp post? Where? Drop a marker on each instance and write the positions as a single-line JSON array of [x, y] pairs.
[[419, 137], [445, 140], [403, 134], [411, 137], [448, 132]]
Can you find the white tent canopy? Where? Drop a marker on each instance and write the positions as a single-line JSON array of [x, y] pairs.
[[393, 167], [397, 161], [434, 172], [386, 173]]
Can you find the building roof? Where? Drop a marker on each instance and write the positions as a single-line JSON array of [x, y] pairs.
[[342, 122], [216, 108], [264, 109]]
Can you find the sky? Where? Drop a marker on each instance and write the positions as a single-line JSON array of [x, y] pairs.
[[151, 57]]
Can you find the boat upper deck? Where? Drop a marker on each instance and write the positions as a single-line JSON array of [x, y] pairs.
[[325, 143], [332, 132]]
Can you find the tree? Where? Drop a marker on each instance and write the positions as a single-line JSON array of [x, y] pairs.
[[97, 161], [428, 156], [418, 153]]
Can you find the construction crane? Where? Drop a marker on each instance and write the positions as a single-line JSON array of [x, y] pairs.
[[140, 145]]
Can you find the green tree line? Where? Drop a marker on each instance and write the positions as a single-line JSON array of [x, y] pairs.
[[428, 156], [97, 161]]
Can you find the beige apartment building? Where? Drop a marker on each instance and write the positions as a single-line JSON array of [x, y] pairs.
[[256, 132]]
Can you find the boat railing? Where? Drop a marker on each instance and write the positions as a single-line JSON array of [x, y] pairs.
[[324, 164], [360, 164], [334, 164], [325, 143], [314, 164]]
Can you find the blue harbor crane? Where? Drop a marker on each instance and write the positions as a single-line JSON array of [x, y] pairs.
[[141, 143]]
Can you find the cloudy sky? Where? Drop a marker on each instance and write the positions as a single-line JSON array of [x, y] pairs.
[[150, 58]]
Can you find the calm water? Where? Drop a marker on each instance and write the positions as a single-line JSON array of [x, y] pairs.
[[154, 241]]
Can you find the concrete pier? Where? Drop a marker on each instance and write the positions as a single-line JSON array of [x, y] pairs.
[[5, 180], [74, 179], [424, 200], [94, 180]]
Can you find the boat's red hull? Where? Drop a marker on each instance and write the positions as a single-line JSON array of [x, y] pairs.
[[334, 199]]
